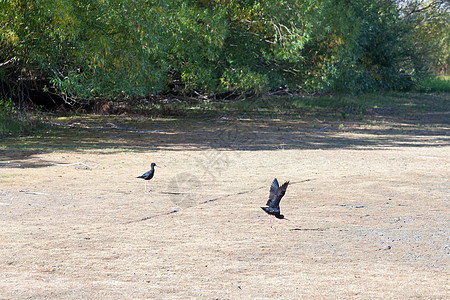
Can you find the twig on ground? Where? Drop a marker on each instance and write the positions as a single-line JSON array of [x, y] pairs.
[[85, 166], [33, 193], [208, 201]]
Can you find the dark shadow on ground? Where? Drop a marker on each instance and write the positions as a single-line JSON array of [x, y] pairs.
[[380, 129]]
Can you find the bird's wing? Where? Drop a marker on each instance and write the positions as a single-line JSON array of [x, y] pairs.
[[275, 198], [273, 192], [145, 175]]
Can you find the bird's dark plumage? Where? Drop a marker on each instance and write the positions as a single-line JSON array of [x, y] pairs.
[[149, 175], [276, 193]]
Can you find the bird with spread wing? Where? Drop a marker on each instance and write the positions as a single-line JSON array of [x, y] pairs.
[[273, 204]]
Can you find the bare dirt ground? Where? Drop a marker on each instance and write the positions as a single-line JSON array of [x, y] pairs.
[[367, 210]]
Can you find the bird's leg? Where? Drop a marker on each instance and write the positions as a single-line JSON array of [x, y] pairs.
[[270, 222]]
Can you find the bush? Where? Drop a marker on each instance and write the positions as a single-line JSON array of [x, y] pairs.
[[13, 123], [435, 84], [93, 49]]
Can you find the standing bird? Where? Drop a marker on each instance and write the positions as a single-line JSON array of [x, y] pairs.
[[273, 204], [147, 176]]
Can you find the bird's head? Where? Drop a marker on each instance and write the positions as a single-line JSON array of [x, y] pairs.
[[279, 216], [153, 165]]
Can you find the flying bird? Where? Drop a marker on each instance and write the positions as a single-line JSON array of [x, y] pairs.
[[273, 204], [147, 176]]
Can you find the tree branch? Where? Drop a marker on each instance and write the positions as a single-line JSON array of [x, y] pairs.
[[7, 62]]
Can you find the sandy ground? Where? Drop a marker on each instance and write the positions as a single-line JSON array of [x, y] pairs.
[[367, 211]]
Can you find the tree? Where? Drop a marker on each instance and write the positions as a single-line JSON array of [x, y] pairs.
[[88, 49]]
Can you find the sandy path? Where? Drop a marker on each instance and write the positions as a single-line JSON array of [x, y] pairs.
[[370, 219]]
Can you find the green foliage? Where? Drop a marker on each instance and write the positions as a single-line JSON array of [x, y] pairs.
[[12, 123], [370, 55], [435, 84], [429, 33], [85, 49], [6, 106]]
